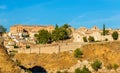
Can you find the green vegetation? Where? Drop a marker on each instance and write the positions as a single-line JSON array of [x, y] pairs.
[[106, 39], [91, 39], [96, 65], [58, 71], [77, 70], [43, 36], [15, 46], [84, 39], [60, 33], [115, 66], [78, 53], [27, 46], [2, 29], [83, 70], [115, 35], [104, 29]]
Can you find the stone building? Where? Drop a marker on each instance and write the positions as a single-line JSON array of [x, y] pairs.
[[30, 28], [94, 32]]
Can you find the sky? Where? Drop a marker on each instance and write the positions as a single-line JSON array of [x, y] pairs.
[[76, 13]]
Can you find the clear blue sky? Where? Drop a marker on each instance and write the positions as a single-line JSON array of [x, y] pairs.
[[74, 12]]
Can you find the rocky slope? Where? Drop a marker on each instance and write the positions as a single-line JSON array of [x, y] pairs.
[[6, 64]]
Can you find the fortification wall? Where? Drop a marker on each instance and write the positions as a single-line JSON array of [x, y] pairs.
[[50, 49]]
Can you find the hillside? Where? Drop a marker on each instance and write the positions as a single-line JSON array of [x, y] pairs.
[[6, 64], [107, 53], [51, 62]]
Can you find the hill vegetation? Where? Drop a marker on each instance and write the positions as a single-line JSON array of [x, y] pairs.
[[6, 64]]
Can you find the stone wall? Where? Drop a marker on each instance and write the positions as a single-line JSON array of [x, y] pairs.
[[49, 49]]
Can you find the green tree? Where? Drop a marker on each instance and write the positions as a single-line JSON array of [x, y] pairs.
[[115, 35], [84, 39], [104, 29], [56, 35], [78, 53], [2, 30], [96, 65], [61, 33], [66, 26], [43, 36], [56, 27], [91, 39]]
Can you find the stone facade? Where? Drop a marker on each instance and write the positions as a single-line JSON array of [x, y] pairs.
[[30, 28]]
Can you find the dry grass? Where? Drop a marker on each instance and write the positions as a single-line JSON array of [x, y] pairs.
[[108, 53], [6, 65], [49, 61]]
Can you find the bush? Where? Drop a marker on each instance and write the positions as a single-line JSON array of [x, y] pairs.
[[15, 46], [110, 66], [115, 35], [106, 39], [58, 72], [78, 70], [115, 66], [91, 39], [78, 53], [84, 70], [27, 46], [84, 39], [96, 65]]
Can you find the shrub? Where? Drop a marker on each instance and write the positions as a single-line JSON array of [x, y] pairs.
[[15, 46], [58, 72], [84, 39], [115, 66], [115, 35], [78, 70], [78, 53], [96, 65], [83, 70], [106, 39], [91, 39], [27, 46]]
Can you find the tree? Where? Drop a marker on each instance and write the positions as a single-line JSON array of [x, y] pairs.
[[96, 65], [91, 39], [84, 39], [66, 26], [115, 35], [43, 36], [2, 29], [56, 27], [78, 53], [61, 33], [104, 29]]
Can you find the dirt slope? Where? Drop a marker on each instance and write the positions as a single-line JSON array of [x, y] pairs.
[[6, 64], [108, 53]]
